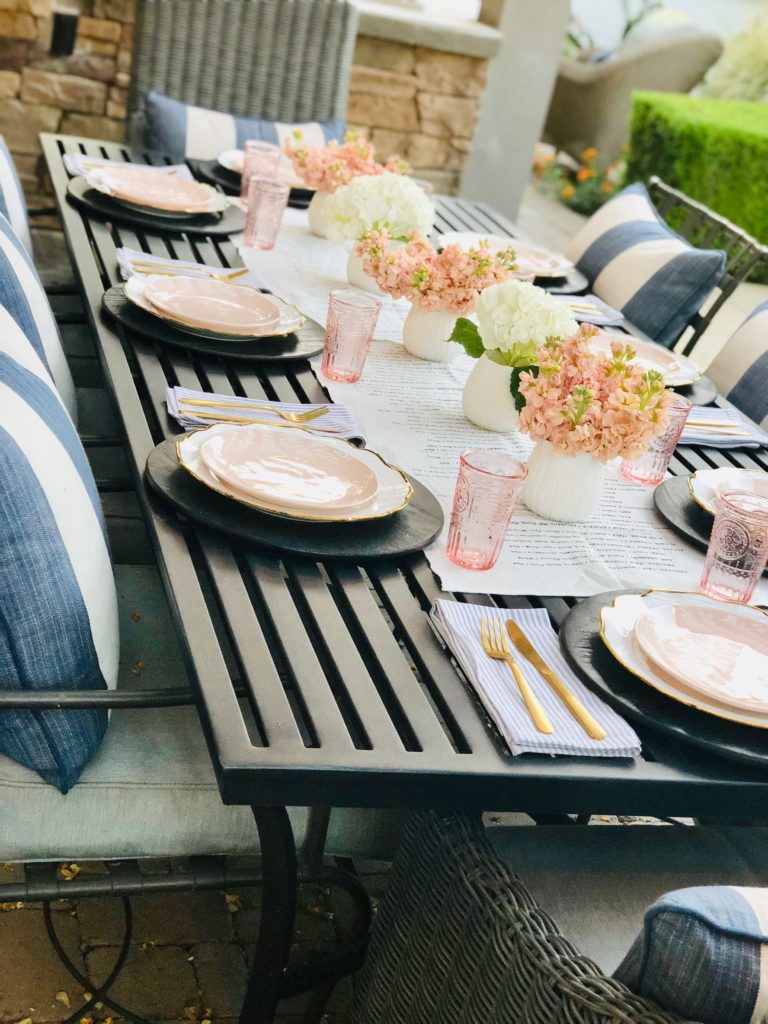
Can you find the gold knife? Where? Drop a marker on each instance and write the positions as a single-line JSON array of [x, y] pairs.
[[574, 705]]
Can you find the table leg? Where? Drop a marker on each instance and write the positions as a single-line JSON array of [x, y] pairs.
[[278, 909], [318, 819]]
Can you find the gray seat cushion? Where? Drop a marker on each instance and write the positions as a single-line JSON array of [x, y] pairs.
[[151, 790], [598, 881]]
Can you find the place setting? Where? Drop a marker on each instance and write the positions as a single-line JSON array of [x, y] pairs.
[[229, 172], [160, 199], [211, 310]]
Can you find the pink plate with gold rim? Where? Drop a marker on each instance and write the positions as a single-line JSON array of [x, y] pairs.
[[160, 191], [677, 370], [212, 305], [717, 652], [290, 468]]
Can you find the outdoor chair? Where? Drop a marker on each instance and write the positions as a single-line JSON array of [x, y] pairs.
[[708, 230], [282, 60], [461, 938]]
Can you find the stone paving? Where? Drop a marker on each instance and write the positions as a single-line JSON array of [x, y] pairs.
[[188, 960]]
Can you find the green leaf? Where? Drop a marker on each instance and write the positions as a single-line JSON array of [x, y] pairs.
[[514, 383], [467, 334]]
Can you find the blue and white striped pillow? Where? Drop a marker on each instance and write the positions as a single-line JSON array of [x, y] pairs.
[[13, 205], [22, 294], [703, 954], [58, 606], [636, 263], [741, 368], [181, 130]]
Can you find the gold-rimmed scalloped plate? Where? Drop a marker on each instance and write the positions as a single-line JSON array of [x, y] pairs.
[[150, 192], [617, 631], [706, 484], [233, 159], [677, 370], [393, 491], [290, 319]]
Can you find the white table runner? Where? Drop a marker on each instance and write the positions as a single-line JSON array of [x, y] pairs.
[[410, 411]]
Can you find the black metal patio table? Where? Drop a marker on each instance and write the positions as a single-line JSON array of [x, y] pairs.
[[351, 699]]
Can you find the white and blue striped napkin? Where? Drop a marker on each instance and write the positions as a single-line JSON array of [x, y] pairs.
[[693, 433], [337, 421], [79, 163], [126, 258], [459, 625]]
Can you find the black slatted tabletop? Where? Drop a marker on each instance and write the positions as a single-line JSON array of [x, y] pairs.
[[352, 700]]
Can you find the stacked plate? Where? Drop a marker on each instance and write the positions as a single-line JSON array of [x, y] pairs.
[[212, 309], [707, 484], [233, 159], [151, 191], [291, 473], [676, 369], [708, 654], [531, 259]]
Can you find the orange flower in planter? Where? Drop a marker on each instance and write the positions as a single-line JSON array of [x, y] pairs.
[[588, 155], [567, 192], [584, 174]]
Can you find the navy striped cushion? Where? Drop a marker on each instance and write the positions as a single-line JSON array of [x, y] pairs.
[[181, 130], [58, 607], [741, 369], [22, 294], [13, 205], [703, 954], [636, 263]]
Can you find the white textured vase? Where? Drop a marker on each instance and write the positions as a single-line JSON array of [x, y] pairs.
[[358, 278], [318, 222], [487, 400], [426, 334], [562, 487]]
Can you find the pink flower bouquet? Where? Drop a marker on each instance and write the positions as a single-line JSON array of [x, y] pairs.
[[588, 402], [326, 168], [450, 280]]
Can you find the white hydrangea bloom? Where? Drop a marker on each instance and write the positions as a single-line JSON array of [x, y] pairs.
[[516, 312], [378, 199]]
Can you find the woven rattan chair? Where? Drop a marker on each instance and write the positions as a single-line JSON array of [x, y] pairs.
[[458, 939], [284, 60], [703, 227]]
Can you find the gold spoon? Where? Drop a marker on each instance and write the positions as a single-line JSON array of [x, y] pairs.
[[294, 417], [137, 266]]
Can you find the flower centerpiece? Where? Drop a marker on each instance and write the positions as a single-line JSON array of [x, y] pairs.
[[390, 201], [327, 168], [584, 408], [514, 320], [439, 285]]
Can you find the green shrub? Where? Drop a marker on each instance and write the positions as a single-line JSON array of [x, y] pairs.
[[716, 151]]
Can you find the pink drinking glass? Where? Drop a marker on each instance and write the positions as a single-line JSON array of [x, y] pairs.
[[651, 467], [261, 159], [487, 490], [738, 547], [266, 204], [352, 317]]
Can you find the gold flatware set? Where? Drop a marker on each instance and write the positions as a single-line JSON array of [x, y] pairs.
[[146, 267], [293, 417], [493, 633]]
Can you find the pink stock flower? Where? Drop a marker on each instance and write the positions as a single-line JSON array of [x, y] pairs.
[[327, 168], [585, 401], [449, 280]]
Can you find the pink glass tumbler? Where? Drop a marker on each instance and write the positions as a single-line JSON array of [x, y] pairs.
[[266, 203], [487, 490], [738, 547], [352, 317], [651, 467], [262, 160]]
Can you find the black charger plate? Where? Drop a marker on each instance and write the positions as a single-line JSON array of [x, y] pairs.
[[212, 172], [572, 283], [306, 342], [230, 222], [639, 702], [403, 533]]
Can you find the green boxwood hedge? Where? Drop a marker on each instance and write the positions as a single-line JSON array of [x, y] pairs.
[[716, 151]]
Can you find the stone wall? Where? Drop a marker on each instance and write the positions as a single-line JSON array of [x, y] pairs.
[[417, 102]]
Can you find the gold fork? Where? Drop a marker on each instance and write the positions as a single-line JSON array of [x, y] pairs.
[[496, 645], [140, 267], [294, 417]]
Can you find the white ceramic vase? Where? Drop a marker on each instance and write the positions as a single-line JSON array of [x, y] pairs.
[[358, 278], [487, 400], [426, 334], [316, 212], [562, 487]]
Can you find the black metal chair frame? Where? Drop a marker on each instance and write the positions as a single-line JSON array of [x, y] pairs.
[[707, 229]]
